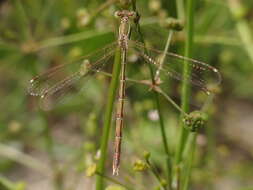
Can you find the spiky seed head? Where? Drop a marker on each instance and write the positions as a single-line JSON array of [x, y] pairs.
[[195, 121]]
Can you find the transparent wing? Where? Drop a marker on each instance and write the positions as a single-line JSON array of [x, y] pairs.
[[52, 85], [171, 65]]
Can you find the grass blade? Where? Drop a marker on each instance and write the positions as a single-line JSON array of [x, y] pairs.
[[107, 120]]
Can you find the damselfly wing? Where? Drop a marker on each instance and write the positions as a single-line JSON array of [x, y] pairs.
[[52, 85]]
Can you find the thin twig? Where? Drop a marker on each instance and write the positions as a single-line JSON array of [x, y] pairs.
[[24, 159], [157, 102], [114, 181]]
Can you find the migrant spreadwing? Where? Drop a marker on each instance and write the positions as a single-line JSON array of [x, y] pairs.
[[47, 85]]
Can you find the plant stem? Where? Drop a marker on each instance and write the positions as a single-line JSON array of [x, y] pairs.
[[180, 9], [190, 158], [6, 184], [242, 26], [170, 6], [40, 25], [157, 75], [185, 86], [158, 90], [158, 106], [107, 120], [222, 40], [114, 181], [57, 174], [22, 19], [155, 173], [70, 38], [100, 9], [11, 153]]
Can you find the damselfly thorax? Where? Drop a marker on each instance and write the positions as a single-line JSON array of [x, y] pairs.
[[124, 28]]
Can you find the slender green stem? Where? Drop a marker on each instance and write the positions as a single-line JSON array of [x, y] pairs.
[[180, 9], [242, 26], [6, 184], [102, 7], [157, 89], [70, 38], [170, 6], [48, 139], [190, 158], [107, 120], [40, 25], [164, 138], [186, 71], [158, 106], [57, 174], [155, 173], [246, 37], [185, 87], [164, 54], [172, 102], [114, 181], [22, 19], [222, 40], [24, 159]]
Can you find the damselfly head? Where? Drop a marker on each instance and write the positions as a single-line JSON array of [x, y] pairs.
[[125, 13]]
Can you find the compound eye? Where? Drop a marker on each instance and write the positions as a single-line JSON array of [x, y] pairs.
[[118, 14], [132, 14]]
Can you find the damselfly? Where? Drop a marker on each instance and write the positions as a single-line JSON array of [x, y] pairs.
[[47, 85]]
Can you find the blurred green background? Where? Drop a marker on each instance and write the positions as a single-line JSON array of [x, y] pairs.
[[52, 150]]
